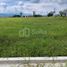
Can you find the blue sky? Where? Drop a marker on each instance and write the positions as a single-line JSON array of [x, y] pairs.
[[28, 6]]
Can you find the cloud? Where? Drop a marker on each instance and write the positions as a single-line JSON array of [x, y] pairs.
[[28, 6]]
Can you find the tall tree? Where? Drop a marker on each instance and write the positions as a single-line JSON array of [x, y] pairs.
[[63, 13]]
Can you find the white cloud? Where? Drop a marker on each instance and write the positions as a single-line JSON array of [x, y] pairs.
[[2, 3], [28, 6]]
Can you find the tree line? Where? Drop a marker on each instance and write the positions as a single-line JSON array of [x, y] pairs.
[[61, 13]]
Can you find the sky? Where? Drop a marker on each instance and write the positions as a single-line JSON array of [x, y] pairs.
[[28, 6]]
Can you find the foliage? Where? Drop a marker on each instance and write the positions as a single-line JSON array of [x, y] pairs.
[[63, 13], [50, 14]]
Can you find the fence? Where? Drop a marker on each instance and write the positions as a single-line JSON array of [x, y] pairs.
[[34, 62]]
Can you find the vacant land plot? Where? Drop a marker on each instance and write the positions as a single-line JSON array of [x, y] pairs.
[[22, 37]]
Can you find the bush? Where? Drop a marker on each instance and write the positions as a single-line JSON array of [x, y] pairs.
[[16, 16]]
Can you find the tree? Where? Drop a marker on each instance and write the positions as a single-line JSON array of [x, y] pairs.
[[16, 16], [50, 13], [21, 14], [63, 13], [34, 13]]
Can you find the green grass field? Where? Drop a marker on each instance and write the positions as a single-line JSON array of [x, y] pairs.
[[45, 36]]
